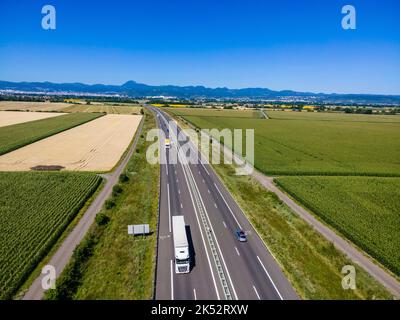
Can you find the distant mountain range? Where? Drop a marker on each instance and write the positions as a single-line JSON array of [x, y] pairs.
[[135, 89]]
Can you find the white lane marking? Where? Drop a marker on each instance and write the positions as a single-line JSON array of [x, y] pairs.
[[212, 229], [255, 290], [172, 281], [175, 172], [223, 222], [177, 180], [169, 209], [204, 167], [209, 222], [202, 235], [269, 277], [228, 206], [194, 293], [209, 191], [215, 205], [166, 166], [179, 191], [237, 251], [181, 206]]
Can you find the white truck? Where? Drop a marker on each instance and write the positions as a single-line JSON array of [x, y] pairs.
[[181, 245]]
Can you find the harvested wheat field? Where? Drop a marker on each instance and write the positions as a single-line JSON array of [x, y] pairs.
[[32, 106], [94, 146], [8, 118]]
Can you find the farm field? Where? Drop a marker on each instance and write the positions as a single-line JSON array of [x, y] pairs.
[[119, 266], [322, 160], [304, 147], [95, 146], [203, 112], [109, 109], [8, 118], [32, 106], [326, 116], [18, 135], [35, 208], [364, 209]]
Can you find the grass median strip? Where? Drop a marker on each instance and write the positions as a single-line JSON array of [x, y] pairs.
[[19, 135], [109, 263]]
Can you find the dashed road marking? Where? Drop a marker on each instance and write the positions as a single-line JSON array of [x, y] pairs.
[[237, 251], [255, 290]]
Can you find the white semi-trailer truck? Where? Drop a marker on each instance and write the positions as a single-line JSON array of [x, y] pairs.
[[181, 245]]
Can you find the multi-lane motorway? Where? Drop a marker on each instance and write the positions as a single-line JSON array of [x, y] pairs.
[[223, 268]]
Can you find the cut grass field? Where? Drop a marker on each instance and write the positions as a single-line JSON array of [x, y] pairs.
[[311, 263], [109, 109], [364, 209], [109, 263], [35, 209], [19, 135], [304, 147], [94, 146]]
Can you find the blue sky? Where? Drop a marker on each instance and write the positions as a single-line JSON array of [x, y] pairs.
[[285, 44]]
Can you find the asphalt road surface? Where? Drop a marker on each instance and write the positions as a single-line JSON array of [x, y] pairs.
[[223, 268]]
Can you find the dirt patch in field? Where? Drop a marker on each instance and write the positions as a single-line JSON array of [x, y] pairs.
[[94, 146], [47, 168]]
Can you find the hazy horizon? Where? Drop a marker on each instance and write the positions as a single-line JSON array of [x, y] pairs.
[[281, 45]]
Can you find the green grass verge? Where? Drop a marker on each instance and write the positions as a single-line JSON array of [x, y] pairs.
[[19, 135], [366, 210], [316, 147], [109, 263], [311, 263], [35, 209]]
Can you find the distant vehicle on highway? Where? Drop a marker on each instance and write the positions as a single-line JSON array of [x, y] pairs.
[[181, 245], [241, 236], [167, 143]]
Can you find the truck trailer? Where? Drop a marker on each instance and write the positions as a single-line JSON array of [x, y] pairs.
[[181, 245]]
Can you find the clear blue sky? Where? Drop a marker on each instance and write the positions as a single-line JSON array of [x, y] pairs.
[[284, 44]]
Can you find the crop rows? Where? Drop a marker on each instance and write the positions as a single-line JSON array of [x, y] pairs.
[[35, 208], [311, 147], [365, 209], [19, 135]]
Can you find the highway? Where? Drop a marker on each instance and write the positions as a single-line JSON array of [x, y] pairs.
[[223, 268]]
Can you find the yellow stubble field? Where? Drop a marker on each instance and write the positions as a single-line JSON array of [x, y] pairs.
[[8, 118], [95, 146], [32, 106]]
